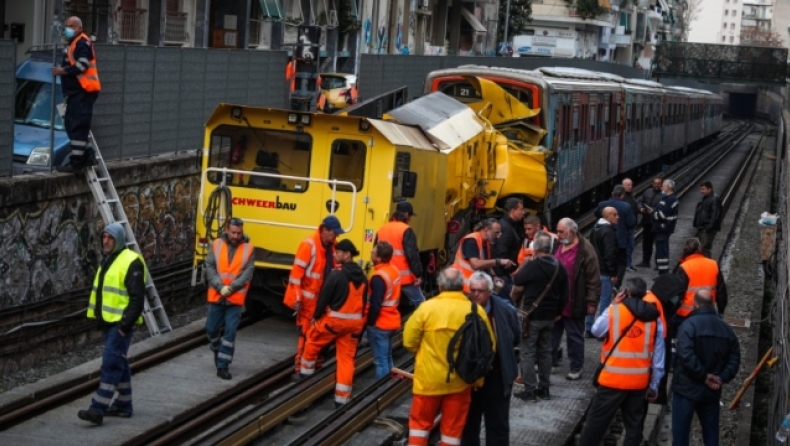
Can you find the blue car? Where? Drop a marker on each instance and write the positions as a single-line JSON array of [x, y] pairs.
[[32, 117]]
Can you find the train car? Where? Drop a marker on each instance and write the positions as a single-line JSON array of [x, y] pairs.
[[642, 133], [673, 130], [283, 171]]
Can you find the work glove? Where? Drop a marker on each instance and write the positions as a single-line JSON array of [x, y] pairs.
[[225, 291]]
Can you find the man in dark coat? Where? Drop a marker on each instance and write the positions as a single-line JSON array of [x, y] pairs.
[[628, 185], [604, 241], [626, 222], [509, 243], [647, 202], [707, 217]]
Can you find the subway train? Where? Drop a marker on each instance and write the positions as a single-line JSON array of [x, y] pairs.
[[473, 140], [599, 127]]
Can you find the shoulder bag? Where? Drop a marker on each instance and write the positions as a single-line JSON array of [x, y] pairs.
[[524, 315]]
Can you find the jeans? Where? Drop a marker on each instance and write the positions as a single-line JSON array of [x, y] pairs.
[[381, 345], [491, 403], [682, 414], [603, 302], [629, 247], [413, 293], [662, 252], [537, 346], [574, 336], [602, 410], [115, 372], [220, 315]]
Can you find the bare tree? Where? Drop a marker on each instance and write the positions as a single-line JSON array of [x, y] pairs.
[[754, 36], [689, 13]]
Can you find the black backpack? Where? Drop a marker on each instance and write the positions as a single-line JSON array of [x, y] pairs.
[[475, 354]]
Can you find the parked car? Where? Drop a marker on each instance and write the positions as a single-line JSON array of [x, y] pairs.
[[340, 90], [33, 102]]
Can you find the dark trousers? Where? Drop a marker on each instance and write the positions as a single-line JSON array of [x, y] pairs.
[[491, 403], [683, 410], [622, 262], [706, 240], [77, 122], [536, 348], [602, 410], [647, 246], [219, 316], [574, 336], [662, 252], [115, 373]]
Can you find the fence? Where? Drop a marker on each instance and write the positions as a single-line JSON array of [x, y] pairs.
[[382, 73], [7, 91]]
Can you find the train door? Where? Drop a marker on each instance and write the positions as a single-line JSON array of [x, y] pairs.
[[349, 165]]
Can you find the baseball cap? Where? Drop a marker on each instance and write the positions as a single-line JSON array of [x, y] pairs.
[[405, 207], [347, 246], [331, 222]]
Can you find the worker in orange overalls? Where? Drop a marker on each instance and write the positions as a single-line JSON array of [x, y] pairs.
[[531, 227], [290, 75], [698, 273], [474, 253], [406, 253], [383, 315], [314, 260], [340, 317]]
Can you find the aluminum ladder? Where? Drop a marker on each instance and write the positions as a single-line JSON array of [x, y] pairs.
[[112, 211]]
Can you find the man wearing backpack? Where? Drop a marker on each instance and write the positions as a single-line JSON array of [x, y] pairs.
[[429, 333]]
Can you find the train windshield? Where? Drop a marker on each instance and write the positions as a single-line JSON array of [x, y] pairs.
[[269, 154], [462, 91]]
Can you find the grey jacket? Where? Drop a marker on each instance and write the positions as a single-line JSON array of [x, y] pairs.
[[214, 281]]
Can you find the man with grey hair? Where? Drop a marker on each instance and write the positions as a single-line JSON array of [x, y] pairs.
[[492, 401], [664, 218], [540, 287], [427, 333]]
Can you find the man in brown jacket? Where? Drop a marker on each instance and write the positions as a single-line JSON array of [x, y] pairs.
[[578, 257]]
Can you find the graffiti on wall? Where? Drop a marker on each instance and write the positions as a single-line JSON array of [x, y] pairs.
[[50, 248]]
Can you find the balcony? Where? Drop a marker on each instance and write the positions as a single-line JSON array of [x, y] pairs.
[[132, 25], [176, 28], [622, 40], [260, 31]]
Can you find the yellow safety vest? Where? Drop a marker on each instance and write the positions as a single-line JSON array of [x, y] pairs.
[[114, 295]]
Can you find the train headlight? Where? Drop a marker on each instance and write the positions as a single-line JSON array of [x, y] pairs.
[[293, 118], [235, 113], [306, 119], [364, 125]]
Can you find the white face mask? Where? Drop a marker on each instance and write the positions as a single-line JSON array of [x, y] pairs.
[[565, 241]]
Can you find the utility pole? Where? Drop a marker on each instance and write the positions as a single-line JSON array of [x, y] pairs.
[[507, 22]]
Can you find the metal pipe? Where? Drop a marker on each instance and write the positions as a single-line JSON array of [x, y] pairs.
[[507, 22], [55, 38]]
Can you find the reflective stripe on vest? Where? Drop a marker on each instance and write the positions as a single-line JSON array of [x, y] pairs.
[[89, 79], [389, 316], [703, 274], [628, 368], [354, 306], [392, 233], [230, 269], [653, 299], [464, 265], [114, 295]]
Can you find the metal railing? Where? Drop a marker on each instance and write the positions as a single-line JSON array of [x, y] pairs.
[[84, 12], [176, 27], [132, 25]]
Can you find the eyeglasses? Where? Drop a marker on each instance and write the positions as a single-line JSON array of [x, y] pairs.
[[478, 290]]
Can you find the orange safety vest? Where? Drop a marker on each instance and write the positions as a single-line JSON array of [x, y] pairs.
[[703, 274], [307, 274], [389, 317], [653, 299], [353, 308], [392, 233], [290, 75], [525, 251], [462, 264], [628, 368], [229, 270], [89, 79]]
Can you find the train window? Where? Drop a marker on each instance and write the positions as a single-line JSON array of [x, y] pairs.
[[268, 152], [348, 163], [576, 136], [402, 161], [593, 135]]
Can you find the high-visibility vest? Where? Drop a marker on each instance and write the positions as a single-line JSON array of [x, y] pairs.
[[525, 251], [114, 295], [353, 308], [89, 79], [389, 317], [653, 299], [703, 274], [307, 275], [463, 265], [392, 233], [230, 269], [290, 75], [628, 368]]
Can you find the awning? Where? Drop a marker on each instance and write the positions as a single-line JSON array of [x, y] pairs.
[[472, 20]]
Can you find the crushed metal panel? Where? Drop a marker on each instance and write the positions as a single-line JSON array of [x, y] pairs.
[[402, 135], [448, 122], [721, 62]]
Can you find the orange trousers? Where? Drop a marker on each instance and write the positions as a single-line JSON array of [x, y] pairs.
[[303, 318], [345, 333], [424, 408]]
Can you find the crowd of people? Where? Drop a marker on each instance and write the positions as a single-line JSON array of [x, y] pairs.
[[528, 285]]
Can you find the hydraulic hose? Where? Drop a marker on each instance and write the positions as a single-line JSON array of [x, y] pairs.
[[214, 210]]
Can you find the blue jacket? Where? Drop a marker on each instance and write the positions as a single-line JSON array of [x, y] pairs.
[[705, 344], [665, 215], [626, 222], [508, 337]]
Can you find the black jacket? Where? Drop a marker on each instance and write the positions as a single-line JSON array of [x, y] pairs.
[[135, 286], [650, 197], [508, 337], [721, 288], [634, 205], [534, 277], [604, 240], [705, 344], [665, 215], [708, 215], [334, 292], [626, 222], [508, 244]]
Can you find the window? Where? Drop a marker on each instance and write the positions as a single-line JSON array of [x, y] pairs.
[[33, 102], [723, 39], [732, 25], [272, 152], [348, 163], [724, 25], [575, 127], [593, 134], [726, 12], [732, 39]]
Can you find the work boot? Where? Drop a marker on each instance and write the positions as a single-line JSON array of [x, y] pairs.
[[90, 159], [224, 373], [115, 411], [69, 168], [92, 416]]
